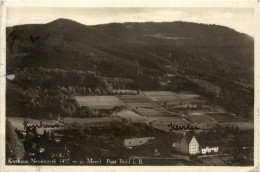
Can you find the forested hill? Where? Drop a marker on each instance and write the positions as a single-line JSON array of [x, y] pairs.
[[213, 60]]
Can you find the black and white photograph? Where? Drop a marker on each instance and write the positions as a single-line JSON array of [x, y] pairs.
[[130, 86]]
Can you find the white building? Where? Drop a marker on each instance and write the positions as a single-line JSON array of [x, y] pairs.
[[193, 146], [209, 150]]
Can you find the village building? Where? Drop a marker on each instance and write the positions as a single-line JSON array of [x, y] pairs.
[[207, 145], [209, 150], [195, 145], [129, 143], [187, 144], [41, 150], [23, 133], [30, 154], [156, 152]]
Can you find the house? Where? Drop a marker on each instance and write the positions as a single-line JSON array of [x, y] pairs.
[[194, 145], [156, 152], [31, 154], [129, 143], [23, 133], [207, 144], [41, 150], [57, 139], [187, 144], [207, 149]]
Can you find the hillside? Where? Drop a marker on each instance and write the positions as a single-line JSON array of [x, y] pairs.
[[64, 57]]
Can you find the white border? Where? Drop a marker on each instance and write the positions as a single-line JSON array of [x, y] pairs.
[[186, 3]]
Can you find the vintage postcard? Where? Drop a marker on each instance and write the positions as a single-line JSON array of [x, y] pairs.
[[129, 86]]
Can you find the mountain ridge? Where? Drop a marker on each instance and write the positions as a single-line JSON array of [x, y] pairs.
[[145, 53], [65, 20]]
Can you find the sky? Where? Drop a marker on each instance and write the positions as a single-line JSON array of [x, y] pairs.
[[240, 19]]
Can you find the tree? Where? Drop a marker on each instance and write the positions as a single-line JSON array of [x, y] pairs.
[[97, 91], [15, 148], [124, 120], [34, 131], [89, 91], [50, 116], [237, 129], [45, 134], [58, 117], [199, 106], [52, 135]]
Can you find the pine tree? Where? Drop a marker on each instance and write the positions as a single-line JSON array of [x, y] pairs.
[[14, 144]]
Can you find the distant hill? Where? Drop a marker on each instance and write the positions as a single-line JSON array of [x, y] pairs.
[[213, 60]]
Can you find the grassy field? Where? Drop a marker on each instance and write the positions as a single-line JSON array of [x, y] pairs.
[[240, 125], [199, 117], [17, 122], [213, 161], [182, 99], [131, 116], [65, 123], [197, 109], [145, 106], [163, 96], [196, 113], [223, 117], [99, 102], [91, 121], [173, 100], [162, 123], [157, 106]]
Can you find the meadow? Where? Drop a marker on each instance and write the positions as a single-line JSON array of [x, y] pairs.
[[131, 116], [90, 121], [98, 102], [200, 117], [194, 108], [145, 106], [240, 125], [17, 122], [151, 107], [175, 100], [223, 117]]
